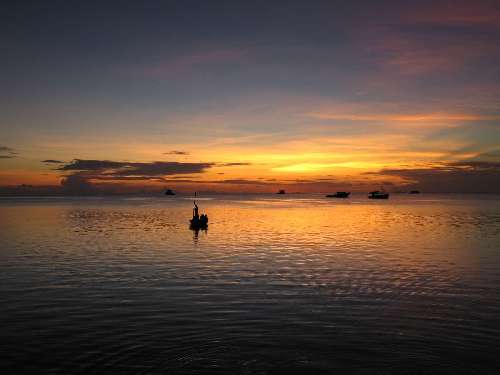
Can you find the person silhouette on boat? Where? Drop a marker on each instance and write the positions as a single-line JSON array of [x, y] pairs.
[[195, 211], [198, 221]]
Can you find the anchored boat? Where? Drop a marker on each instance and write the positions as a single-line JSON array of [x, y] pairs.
[[339, 194], [198, 221], [378, 194]]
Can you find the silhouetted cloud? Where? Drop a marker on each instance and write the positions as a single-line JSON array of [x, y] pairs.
[[77, 185], [85, 172], [176, 152], [175, 177], [92, 165], [52, 161], [243, 182], [7, 152], [492, 155], [119, 168], [462, 176], [160, 168], [124, 178], [233, 164], [227, 181], [297, 183], [478, 165], [91, 176]]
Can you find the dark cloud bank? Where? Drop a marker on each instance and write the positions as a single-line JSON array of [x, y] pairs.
[[110, 169], [87, 177], [459, 177], [84, 173]]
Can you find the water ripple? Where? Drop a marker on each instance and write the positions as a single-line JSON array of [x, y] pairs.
[[276, 285]]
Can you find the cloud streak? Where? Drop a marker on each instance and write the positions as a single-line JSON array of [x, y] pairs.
[[52, 161], [176, 152], [7, 152], [237, 164]]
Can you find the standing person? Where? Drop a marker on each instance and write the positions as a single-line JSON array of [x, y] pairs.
[[195, 211]]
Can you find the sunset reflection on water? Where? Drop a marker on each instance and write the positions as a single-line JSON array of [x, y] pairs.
[[92, 279]]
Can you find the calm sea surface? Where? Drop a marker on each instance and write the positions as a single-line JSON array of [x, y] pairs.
[[296, 284]]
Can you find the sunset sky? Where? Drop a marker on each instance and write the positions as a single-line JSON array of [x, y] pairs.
[[250, 96]]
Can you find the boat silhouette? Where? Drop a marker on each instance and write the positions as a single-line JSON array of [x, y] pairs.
[[378, 194], [198, 221], [169, 192], [281, 191], [339, 194]]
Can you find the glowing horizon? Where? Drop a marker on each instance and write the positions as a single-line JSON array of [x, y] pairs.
[[315, 101]]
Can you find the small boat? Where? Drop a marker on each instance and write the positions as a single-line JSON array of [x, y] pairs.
[[414, 192], [169, 192], [339, 194], [378, 194], [199, 222], [281, 192]]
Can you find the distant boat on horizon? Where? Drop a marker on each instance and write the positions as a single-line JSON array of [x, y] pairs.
[[378, 194], [339, 194], [414, 192], [169, 192], [281, 191]]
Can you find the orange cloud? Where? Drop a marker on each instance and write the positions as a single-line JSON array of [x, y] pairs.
[[429, 117]]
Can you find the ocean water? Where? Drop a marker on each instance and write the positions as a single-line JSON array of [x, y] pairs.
[[294, 284]]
